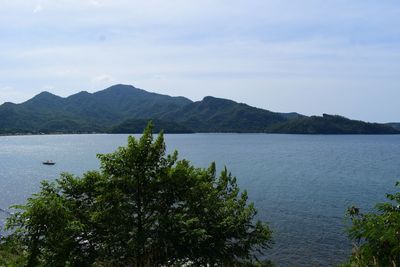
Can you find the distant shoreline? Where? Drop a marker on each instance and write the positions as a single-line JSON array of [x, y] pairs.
[[109, 133]]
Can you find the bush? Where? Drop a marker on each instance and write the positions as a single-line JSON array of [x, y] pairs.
[[377, 234]]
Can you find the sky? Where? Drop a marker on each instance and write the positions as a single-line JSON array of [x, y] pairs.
[[309, 56]]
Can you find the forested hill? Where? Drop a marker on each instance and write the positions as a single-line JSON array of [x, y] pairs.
[[125, 109], [86, 112], [222, 115], [330, 124]]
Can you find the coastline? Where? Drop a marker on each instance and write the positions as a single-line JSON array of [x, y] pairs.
[[166, 132]]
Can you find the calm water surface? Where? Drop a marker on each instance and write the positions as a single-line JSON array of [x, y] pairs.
[[300, 184]]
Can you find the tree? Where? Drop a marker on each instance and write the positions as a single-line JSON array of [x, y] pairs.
[[143, 208], [376, 234]]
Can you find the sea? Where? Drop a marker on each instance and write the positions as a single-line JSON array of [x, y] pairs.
[[301, 185]]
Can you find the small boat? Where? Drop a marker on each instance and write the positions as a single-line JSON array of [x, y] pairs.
[[49, 162]]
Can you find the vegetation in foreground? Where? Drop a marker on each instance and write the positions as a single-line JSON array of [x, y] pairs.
[[142, 209], [376, 235]]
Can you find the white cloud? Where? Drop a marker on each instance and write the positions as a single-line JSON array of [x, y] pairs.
[[95, 2], [38, 7], [102, 80]]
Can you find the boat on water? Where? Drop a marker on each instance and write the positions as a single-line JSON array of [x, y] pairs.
[[49, 162]]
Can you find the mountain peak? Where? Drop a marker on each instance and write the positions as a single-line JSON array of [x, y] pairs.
[[44, 96], [44, 99], [120, 90], [210, 100], [118, 87], [121, 86], [81, 93]]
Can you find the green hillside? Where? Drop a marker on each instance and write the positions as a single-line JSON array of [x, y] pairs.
[[126, 109], [222, 115], [330, 124]]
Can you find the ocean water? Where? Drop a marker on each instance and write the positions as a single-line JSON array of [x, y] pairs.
[[300, 184]]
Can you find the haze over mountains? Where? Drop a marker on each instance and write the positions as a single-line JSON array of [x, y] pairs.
[[126, 109]]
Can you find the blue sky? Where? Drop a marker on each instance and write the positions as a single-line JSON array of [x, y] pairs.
[[310, 56]]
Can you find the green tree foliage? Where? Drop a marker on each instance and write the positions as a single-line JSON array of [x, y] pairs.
[[144, 208], [12, 254], [377, 234]]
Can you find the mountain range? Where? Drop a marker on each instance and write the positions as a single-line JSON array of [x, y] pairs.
[[126, 109]]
